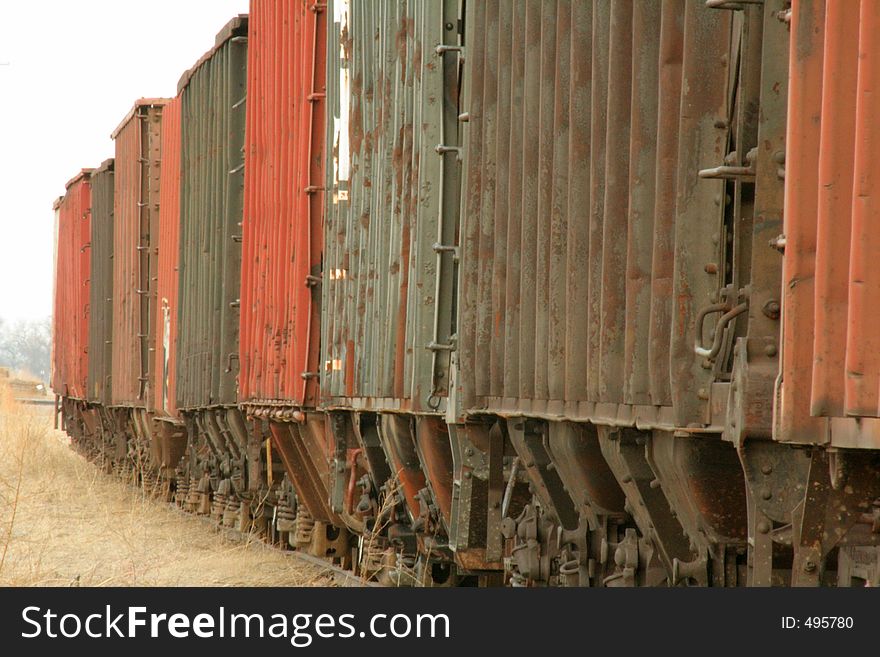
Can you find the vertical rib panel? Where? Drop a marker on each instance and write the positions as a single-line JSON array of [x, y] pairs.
[[616, 206], [578, 238], [513, 60], [556, 249], [488, 94], [545, 182], [662, 261], [835, 202], [529, 185], [642, 180], [598, 116], [499, 68], [801, 164]]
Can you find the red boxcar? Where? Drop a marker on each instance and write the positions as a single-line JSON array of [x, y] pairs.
[[163, 400], [282, 240], [70, 365], [284, 172], [831, 276], [135, 257]]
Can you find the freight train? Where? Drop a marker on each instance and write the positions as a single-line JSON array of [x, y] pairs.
[[526, 293]]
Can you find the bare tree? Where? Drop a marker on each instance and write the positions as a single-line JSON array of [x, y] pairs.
[[26, 345]]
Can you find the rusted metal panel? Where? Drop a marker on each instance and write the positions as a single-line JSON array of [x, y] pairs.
[[644, 126], [798, 271], [212, 96], [101, 296], [615, 219], [863, 341], [662, 264], [167, 311], [835, 202], [390, 98], [283, 205], [702, 139], [135, 251], [598, 110], [586, 231], [831, 281], [754, 218], [72, 282]]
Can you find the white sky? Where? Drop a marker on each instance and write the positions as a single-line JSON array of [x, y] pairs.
[[75, 68]]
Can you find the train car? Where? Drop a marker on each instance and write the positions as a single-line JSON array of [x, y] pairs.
[[828, 384], [391, 212], [169, 435], [212, 113], [70, 325], [95, 441], [590, 254], [137, 165], [281, 282]]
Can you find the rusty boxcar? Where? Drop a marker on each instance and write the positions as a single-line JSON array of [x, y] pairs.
[[283, 206], [70, 330], [831, 369], [212, 96], [212, 107], [135, 252], [167, 433], [282, 244], [829, 383], [391, 211]]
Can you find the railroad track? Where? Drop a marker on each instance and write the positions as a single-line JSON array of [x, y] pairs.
[[341, 576]]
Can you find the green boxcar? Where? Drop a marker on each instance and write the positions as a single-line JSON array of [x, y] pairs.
[[212, 174], [392, 205], [101, 295]]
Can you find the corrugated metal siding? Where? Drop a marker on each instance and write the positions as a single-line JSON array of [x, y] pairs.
[[212, 137], [164, 399], [831, 277], [381, 289], [585, 228], [135, 251], [72, 274], [101, 304], [282, 227]]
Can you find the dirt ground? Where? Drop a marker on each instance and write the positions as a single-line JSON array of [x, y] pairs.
[[65, 523]]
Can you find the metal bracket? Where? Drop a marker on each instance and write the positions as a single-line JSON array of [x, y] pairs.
[[442, 49], [729, 315], [435, 346], [442, 149], [446, 248]]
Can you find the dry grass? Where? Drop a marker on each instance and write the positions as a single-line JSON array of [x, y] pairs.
[[65, 523]]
